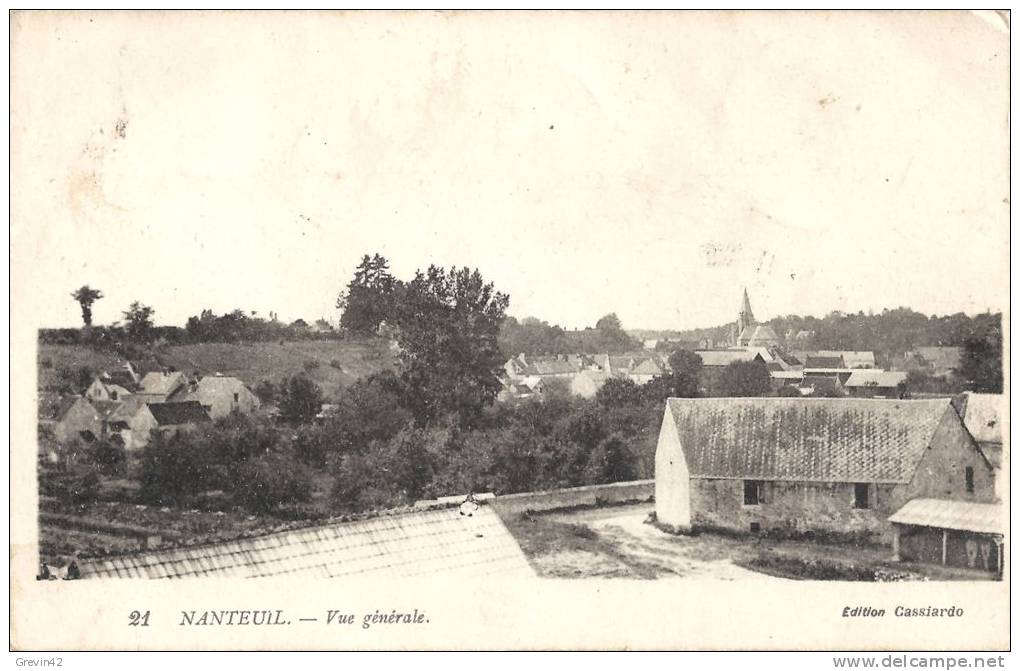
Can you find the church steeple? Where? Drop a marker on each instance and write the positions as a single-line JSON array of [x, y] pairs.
[[745, 317]]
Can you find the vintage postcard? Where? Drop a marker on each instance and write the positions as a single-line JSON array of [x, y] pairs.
[[518, 331]]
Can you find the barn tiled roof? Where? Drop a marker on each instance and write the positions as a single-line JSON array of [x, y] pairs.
[[805, 439], [172, 414], [416, 543], [960, 515]]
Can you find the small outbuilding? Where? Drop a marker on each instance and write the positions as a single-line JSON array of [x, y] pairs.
[[952, 533]]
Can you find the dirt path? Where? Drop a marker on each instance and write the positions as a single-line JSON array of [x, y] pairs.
[[623, 545]]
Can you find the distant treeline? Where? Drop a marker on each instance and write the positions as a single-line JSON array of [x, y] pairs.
[[890, 333], [236, 326]]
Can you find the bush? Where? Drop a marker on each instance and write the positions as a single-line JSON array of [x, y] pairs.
[[72, 489], [109, 458], [612, 461], [174, 469], [311, 364], [265, 483], [335, 363]]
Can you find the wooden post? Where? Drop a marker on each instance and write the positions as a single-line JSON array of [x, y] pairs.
[[945, 543], [896, 543]]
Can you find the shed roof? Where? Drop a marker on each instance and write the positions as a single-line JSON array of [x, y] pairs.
[[185, 412], [985, 518], [875, 378], [806, 439], [416, 543]]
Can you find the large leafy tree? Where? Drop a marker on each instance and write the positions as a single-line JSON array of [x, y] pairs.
[[685, 376], [86, 296], [448, 323], [299, 400], [368, 299], [981, 365], [745, 378], [138, 318]]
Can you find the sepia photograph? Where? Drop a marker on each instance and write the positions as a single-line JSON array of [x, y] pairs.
[[659, 312]]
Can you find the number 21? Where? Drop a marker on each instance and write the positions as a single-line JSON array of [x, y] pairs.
[[136, 619]]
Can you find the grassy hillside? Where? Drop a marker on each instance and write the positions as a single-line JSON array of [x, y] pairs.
[[330, 363]]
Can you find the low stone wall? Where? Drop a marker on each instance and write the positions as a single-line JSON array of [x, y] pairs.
[[590, 495]]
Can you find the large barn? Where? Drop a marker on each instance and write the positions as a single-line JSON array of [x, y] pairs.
[[842, 465]]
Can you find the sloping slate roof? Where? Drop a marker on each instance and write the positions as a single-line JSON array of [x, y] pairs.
[[757, 334], [647, 367], [159, 383], [425, 543], [985, 518], [831, 362], [852, 358], [54, 408], [943, 359], [126, 409], [981, 416], [875, 378], [801, 439], [724, 357], [549, 367], [187, 412]]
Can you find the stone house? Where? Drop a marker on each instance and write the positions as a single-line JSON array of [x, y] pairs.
[[221, 396], [79, 418], [811, 464], [162, 386], [167, 418], [104, 390]]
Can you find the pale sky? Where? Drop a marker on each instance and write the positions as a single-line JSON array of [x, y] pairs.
[[648, 164]]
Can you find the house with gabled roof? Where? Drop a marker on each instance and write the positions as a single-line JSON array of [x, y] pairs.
[[102, 389], [162, 386], [811, 464], [166, 418], [221, 395], [938, 361]]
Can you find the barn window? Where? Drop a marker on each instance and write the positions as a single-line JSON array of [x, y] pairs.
[[861, 496], [753, 492], [969, 476]]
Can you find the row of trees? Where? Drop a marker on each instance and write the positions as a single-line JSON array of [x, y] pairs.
[[533, 336]]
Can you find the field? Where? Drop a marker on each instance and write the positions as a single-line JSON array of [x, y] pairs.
[[332, 364]]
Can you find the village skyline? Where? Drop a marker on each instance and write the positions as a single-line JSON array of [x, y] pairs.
[[643, 177]]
